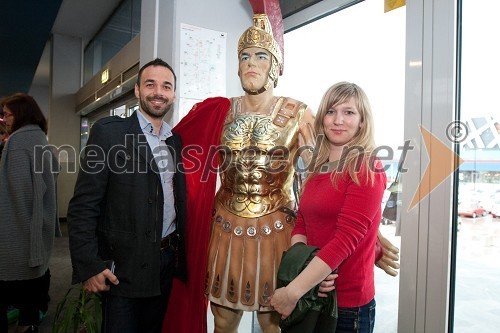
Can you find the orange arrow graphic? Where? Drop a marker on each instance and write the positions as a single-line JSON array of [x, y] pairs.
[[442, 163]]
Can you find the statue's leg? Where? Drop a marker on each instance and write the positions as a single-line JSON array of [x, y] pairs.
[[269, 321], [226, 320]]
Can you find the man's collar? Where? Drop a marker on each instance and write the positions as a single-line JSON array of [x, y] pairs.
[[147, 127]]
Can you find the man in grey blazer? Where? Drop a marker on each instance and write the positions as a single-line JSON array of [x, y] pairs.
[[129, 209]]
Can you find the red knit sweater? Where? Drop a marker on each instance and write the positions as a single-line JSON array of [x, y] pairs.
[[343, 223]]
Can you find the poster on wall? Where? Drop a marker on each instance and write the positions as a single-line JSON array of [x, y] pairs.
[[202, 65]]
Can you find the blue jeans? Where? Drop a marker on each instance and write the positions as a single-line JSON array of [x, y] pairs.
[[137, 315], [357, 320]]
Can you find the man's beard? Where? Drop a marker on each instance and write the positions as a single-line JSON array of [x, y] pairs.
[[152, 111]]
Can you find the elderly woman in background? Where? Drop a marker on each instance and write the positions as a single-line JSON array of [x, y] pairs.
[[4, 134], [28, 206]]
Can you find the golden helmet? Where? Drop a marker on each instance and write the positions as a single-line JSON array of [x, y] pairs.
[[260, 35]]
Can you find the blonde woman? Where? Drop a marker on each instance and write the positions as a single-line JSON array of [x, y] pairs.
[[340, 213]]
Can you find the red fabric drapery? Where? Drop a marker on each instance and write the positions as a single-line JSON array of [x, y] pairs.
[[200, 131]]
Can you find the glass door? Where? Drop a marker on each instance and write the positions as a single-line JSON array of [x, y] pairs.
[[360, 43], [477, 268]]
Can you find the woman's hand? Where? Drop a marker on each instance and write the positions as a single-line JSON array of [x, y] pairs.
[[283, 301], [327, 285]]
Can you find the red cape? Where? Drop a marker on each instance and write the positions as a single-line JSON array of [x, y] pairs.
[[200, 131]]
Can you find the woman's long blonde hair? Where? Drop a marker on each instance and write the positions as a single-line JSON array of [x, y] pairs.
[[359, 150]]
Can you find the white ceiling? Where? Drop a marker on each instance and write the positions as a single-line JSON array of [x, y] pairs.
[[79, 19], [76, 18]]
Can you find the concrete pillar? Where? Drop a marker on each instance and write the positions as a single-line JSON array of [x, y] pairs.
[[64, 124], [157, 36], [157, 31]]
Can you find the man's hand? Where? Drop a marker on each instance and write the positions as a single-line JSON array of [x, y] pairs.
[[390, 256], [97, 283]]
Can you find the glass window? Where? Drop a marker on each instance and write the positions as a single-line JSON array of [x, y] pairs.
[[121, 28], [476, 298], [340, 47], [132, 109], [84, 131], [120, 111]]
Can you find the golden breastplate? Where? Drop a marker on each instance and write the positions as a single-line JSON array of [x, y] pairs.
[[257, 166]]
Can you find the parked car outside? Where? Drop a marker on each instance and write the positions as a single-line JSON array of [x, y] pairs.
[[472, 213]]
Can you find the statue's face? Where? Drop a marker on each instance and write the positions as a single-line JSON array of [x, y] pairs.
[[254, 67]]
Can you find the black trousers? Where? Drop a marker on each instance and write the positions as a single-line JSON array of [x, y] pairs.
[[29, 296], [137, 315]]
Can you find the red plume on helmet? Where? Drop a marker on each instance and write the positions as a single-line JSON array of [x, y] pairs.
[[273, 11]]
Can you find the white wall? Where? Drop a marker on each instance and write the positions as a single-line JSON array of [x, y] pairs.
[[41, 96], [231, 16], [161, 28]]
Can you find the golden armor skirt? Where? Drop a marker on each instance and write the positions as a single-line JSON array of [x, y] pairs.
[[244, 256]]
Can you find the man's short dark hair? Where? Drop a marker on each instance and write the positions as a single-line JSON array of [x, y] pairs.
[[156, 62]]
